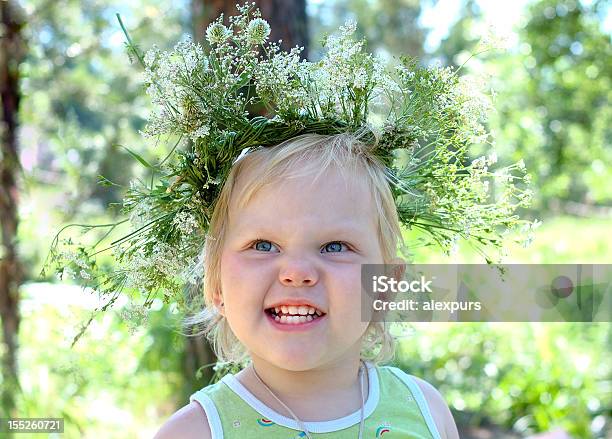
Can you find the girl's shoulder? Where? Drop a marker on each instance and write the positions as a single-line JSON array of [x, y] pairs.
[[439, 409], [189, 422]]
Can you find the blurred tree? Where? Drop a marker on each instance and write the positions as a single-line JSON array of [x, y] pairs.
[[391, 27], [12, 52], [568, 59], [463, 35], [76, 71], [527, 377]]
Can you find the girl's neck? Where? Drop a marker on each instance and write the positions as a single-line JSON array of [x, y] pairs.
[[327, 392]]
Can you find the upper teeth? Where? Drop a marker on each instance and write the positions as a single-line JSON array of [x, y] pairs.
[[295, 310]]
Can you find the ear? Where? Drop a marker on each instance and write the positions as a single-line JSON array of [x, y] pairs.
[[398, 269], [218, 303], [395, 270]]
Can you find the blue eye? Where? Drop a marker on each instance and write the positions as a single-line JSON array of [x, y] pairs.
[[334, 247], [264, 246]]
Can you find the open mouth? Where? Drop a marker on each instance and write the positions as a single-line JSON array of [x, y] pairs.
[[293, 315]]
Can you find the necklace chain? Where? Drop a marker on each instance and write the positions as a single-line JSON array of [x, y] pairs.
[[300, 423]]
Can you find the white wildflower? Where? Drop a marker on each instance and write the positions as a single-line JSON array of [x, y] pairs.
[[349, 28], [201, 131], [68, 272], [280, 80], [185, 222], [151, 56], [141, 213], [134, 316], [77, 258], [492, 159], [361, 77], [480, 162], [192, 55], [168, 259], [257, 31]]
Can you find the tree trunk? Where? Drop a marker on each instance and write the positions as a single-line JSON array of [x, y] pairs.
[[11, 54], [287, 19]]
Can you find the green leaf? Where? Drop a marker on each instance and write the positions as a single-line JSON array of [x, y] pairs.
[[140, 159], [103, 181]]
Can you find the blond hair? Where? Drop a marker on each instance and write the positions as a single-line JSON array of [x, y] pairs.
[[265, 165]]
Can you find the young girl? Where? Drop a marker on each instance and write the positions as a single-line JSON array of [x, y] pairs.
[[289, 233]]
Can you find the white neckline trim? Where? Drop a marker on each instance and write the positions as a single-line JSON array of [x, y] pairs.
[[313, 426]]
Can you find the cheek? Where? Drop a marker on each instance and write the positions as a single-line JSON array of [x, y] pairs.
[[241, 278], [345, 303], [234, 277], [345, 288]]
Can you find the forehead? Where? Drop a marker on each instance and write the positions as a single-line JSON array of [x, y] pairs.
[[334, 200]]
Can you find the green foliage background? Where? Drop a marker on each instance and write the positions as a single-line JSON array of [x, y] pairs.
[[82, 99]]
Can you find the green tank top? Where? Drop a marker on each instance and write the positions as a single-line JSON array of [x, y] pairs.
[[395, 409]]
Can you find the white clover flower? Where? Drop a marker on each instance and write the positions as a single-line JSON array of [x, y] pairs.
[[258, 31], [217, 33]]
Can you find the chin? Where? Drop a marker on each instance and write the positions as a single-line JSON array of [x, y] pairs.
[[295, 360]]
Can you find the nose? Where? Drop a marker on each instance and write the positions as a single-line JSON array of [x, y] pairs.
[[297, 273]]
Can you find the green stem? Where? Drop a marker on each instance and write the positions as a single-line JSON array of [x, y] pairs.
[[127, 36]]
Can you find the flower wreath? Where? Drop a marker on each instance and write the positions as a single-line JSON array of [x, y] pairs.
[[422, 120]]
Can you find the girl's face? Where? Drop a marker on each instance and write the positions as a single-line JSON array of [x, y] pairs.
[[299, 242]]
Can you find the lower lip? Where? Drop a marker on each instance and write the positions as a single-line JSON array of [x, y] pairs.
[[293, 327]]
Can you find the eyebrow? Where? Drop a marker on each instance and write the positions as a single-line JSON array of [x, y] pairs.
[[344, 229]]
